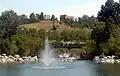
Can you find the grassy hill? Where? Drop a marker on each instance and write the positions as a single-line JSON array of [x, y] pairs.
[[47, 25]]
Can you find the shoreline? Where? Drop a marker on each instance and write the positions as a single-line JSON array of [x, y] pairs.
[[17, 59], [4, 59], [106, 59]]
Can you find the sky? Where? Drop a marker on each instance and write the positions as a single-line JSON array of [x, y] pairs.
[[57, 7]]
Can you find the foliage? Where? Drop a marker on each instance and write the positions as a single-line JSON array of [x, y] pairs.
[[37, 17], [100, 35], [33, 18], [62, 17], [110, 12], [21, 45], [65, 35], [54, 35], [53, 17], [9, 22], [75, 52], [103, 35], [112, 45], [42, 16], [90, 46], [54, 27]]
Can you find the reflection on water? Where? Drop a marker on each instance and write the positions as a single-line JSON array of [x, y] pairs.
[[9, 70], [81, 68], [109, 70]]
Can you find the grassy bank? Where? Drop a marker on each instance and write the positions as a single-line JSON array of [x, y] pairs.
[[47, 25]]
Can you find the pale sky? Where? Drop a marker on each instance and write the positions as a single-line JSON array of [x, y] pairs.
[[70, 7]]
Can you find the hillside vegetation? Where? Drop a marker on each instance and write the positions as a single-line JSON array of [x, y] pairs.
[[48, 25], [101, 34]]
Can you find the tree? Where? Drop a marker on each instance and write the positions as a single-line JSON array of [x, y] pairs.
[[92, 19], [69, 21], [116, 14], [99, 35], [53, 17], [41, 33], [54, 35], [37, 16], [42, 16], [85, 17], [110, 12], [62, 17], [65, 35], [23, 19], [9, 22], [86, 21], [80, 20], [54, 27], [32, 17]]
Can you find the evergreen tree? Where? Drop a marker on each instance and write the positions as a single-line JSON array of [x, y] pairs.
[[110, 12], [53, 17], [32, 18], [42, 16]]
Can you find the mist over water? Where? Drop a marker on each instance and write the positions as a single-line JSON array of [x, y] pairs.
[[48, 55]]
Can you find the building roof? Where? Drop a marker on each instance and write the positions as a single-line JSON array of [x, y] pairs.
[[68, 17]]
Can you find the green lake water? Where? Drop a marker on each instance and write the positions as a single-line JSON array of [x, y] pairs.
[[79, 68]]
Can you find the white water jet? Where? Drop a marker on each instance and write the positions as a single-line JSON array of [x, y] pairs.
[[48, 56]]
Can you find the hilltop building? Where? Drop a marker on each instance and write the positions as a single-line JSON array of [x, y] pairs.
[[69, 17]]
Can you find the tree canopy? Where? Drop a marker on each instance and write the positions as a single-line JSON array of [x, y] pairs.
[[110, 12]]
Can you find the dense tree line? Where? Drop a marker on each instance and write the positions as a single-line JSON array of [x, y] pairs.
[[15, 39], [100, 35], [106, 38], [30, 41], [84, 21]]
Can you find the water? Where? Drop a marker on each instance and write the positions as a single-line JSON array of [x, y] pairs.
[[48, 59], [50, 68], [79, 68], [48, 55]]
